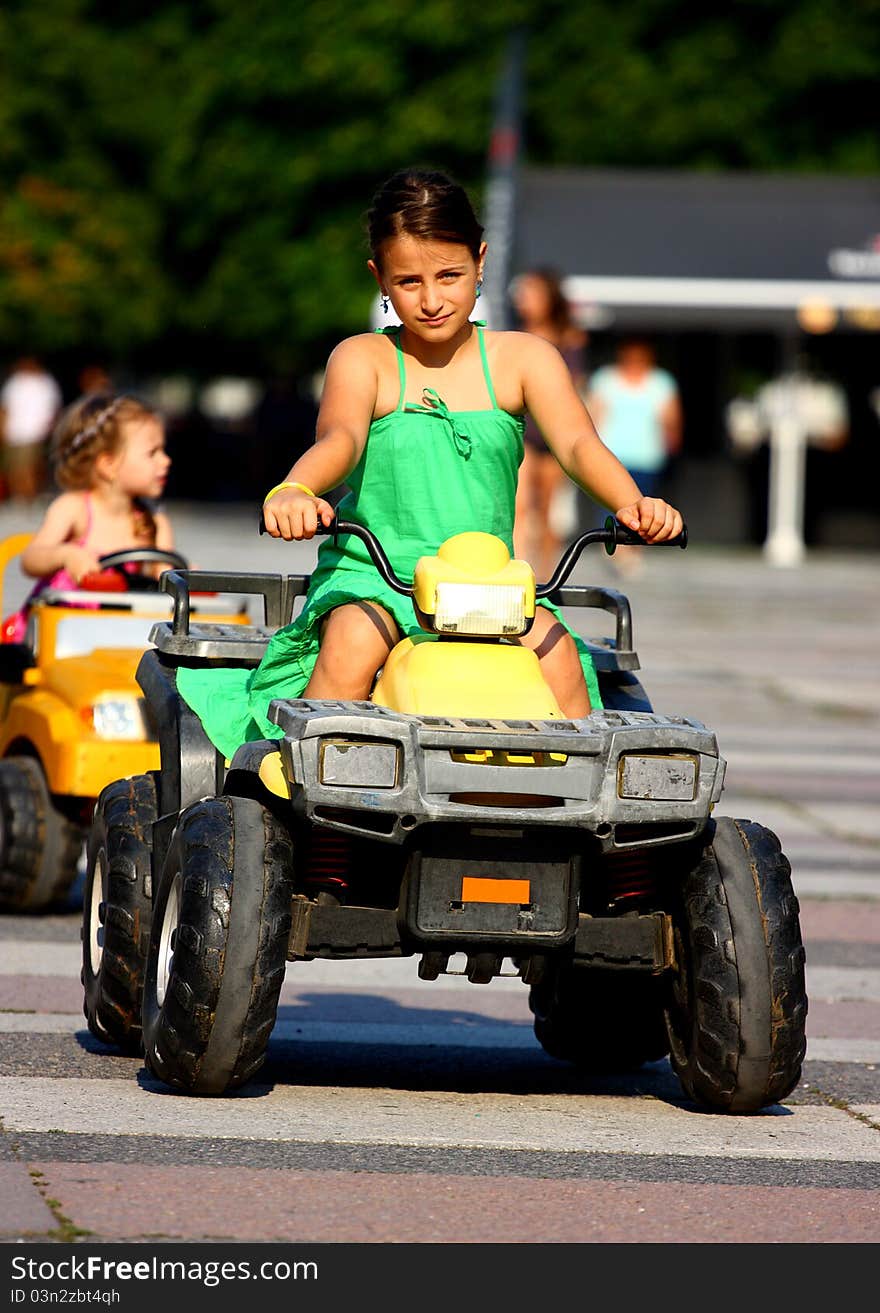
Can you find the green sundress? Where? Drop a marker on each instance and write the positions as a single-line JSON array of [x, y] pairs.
[[425, 474]]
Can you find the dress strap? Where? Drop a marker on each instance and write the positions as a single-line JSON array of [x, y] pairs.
[[486, 374], [393, 331], [401, 370]]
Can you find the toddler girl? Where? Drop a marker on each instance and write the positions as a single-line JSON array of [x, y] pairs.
[[110, 459]]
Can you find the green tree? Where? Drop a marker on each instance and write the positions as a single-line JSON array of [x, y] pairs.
[[184, 185]]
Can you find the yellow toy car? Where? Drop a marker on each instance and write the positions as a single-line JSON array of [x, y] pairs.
[[72, 718]]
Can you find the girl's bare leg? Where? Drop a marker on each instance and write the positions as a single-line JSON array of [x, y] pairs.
[[524, 536], [560, 663], [355, 640]]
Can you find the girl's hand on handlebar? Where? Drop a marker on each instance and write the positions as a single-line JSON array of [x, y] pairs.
[[652, 518], [291, 514]]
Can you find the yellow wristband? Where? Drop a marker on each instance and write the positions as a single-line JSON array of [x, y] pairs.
[[278, 487]]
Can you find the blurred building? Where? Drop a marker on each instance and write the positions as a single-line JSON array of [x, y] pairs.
[[739, 278]]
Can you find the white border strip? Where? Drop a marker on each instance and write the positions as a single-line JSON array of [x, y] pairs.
[[735, 293]]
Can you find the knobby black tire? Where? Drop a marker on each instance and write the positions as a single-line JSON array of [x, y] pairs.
[[119, 858], [738, 1005], [232, 860], [601, 1020], [40, 847]]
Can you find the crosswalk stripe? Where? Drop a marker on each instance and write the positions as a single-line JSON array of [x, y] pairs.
[[844, 884], [811, 760], [560, 1123]]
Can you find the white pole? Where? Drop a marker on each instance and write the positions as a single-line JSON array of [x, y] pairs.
[[784, 545]]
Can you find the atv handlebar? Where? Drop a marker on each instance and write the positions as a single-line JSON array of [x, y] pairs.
[[372, 544], [612, 534]]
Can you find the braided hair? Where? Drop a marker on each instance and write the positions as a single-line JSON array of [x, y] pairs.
[[89, 427]]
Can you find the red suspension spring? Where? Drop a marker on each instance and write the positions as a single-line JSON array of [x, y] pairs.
[[631, 876], [329, 863]]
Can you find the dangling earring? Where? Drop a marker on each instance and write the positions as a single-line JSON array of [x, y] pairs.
[[385, 305], [479, 286]]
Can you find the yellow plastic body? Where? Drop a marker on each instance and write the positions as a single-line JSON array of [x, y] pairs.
[[472, 558], [48, 713], [427, 677], [469, 676]]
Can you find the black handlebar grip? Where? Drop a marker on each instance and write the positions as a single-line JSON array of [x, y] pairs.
[[623, 537]]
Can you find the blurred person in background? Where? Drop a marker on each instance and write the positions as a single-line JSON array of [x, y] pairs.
[[93, 378], [542, 308], [30, 400], [636, 407]]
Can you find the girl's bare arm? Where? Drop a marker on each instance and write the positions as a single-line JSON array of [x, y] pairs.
[[347, 403], [51, 547]]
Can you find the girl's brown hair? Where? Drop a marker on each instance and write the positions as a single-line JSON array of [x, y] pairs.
[[92, 425], [426, 204]]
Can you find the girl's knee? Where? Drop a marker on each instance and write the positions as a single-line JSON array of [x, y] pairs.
[[560, 661], [360, 624], [355, 640]]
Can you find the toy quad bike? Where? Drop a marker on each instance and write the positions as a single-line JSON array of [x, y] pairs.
[[456, 814], [72, 718]]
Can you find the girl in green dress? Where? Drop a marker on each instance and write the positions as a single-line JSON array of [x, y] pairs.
[[424, 423]]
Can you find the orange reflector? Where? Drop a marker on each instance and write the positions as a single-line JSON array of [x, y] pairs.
[[475, 889]]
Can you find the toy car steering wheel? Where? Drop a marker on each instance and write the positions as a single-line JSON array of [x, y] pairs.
[[112, 578]]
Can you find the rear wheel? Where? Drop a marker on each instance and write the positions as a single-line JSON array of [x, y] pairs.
[[117, 907], [737, 1008], [40, 847], [602, 1021], [218, 946]]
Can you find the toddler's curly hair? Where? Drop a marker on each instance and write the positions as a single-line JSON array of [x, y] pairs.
[[88, 427]]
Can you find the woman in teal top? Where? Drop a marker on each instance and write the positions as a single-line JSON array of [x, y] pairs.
[[411, 420]]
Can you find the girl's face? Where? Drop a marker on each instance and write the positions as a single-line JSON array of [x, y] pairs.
[[141, 466], [432, 285]]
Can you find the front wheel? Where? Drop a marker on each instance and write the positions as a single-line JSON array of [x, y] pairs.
[[737, 1007], [116, 909], [40, 847], [218, 946]]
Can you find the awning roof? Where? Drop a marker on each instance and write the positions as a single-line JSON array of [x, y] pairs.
[[687, 248]]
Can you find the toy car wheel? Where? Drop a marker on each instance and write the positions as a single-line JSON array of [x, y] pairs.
[[218, 945], [603, 1021], [40, 847], [737, 1008], [117, 908]]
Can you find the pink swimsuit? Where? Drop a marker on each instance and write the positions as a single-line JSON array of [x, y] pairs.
[[14, 627]]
